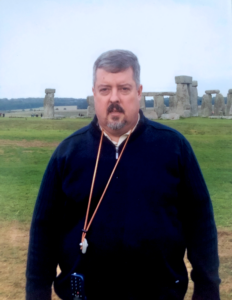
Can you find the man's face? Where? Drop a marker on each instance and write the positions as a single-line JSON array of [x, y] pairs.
[[117, 99]]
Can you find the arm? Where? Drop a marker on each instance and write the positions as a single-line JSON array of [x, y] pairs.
[[199, 228], [44, 235]]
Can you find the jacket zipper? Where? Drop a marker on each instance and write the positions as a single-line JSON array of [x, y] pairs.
[[116, 148]]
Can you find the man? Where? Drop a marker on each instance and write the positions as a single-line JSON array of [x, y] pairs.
[[153, 207]]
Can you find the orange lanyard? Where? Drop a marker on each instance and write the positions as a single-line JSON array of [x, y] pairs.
[[87, 225]]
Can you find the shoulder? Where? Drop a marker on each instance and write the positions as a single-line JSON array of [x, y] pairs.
[[163, 130], [73, 141]]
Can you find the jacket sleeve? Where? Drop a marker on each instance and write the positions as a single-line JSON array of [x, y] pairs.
[[199, 227], [44, 235]]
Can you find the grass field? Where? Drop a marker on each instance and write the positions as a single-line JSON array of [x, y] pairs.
[[25, 148]]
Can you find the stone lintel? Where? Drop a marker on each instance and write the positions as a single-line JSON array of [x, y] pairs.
[[166, 94], [47, 91], [194, 83], [183, 79], [230, 91], [209, 92], [150, 94]]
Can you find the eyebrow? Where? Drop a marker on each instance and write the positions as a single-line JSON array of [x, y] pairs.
[[120, 85]]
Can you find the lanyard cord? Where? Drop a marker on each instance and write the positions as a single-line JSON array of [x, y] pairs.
[[86, 226]]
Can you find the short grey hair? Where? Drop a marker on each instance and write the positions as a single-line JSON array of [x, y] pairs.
[[115, 61]]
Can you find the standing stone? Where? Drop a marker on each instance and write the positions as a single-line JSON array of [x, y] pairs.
[[219, 105], [172, 104], [229, 103], [182, 98], [183, 94], [206, 105], [49, 104], [143, 103], [159, 105], [91, 107], [193, 98]]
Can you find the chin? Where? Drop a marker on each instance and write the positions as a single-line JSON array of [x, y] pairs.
[[116, 125]]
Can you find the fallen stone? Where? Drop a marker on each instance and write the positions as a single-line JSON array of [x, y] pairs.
[[209, 92], [183, 79], [171, 116], [219, 105], [194, 83]]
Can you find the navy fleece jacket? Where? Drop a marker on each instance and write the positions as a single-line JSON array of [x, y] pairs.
[[156, 206]]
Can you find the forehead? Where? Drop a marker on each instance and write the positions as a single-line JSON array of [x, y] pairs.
[[108, 78]]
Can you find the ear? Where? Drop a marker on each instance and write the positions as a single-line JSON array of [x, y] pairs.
[[140, 90]]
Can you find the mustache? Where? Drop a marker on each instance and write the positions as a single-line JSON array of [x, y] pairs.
[[115, 106]]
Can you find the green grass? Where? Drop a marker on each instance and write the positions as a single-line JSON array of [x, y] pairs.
[[22, 168]]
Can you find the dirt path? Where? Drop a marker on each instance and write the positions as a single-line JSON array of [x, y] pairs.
[[13, 254], [27, 144]]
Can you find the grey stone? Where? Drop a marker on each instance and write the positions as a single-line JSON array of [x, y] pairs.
[[219, 105], [151, 114], [165, 94], [183, 79], [193, 100], [159, 105], [172, 104], [91, 107], [209, 92], [171, 116], [148, 94], [187, 113], [49, 104], [143, 103], [50, 91], [194, 83], [182, 98], [229, 104], [230, 91], [206, 105]]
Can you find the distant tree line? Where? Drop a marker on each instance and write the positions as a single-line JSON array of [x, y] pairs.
[[31, 103]]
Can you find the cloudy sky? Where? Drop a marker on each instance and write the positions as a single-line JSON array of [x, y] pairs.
[[54, 43]]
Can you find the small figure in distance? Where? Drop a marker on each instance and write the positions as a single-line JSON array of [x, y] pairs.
[[147, 204]]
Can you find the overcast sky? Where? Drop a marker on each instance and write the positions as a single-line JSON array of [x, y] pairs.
[[54, 43]]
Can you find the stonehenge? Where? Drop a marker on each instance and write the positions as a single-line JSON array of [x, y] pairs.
[[182, 103], [49, 104]]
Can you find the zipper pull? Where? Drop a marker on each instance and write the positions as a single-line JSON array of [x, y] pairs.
[[116, 148]]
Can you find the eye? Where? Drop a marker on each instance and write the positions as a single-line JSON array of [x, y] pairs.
[[104, 91], [125, 90]]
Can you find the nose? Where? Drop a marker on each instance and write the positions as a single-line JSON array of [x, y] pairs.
[[114, 98]]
